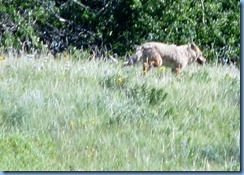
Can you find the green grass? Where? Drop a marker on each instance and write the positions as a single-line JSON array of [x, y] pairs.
[[80, 115]]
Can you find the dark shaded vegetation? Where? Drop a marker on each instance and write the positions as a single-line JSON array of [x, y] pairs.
[[116, 26]]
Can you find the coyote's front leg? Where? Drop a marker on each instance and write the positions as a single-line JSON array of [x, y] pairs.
[[145, 67]]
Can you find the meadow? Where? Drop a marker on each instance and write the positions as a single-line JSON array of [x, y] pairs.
[[79, 115]]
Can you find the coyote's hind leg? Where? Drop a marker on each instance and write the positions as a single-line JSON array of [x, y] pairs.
[[177, 69]]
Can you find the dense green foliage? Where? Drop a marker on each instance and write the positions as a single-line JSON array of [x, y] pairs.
[[93, 115], [118, 25]]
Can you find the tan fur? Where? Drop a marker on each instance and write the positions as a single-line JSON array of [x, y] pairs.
[[156, 54]]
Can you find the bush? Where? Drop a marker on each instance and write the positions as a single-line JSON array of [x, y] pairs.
[[118, 25], [144, 94]]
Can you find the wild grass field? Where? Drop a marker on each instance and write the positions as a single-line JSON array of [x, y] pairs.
[[78, 115]]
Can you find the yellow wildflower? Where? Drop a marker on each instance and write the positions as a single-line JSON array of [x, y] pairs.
[[119, 80], [71, 123], [162, 68], [1, 58]]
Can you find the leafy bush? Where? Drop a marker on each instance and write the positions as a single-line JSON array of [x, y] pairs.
[[118, 25], [14, 116]]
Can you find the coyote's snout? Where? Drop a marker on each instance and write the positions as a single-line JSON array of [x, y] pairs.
[[155, 54]]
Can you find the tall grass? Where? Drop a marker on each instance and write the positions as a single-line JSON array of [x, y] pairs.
[[79, 115]]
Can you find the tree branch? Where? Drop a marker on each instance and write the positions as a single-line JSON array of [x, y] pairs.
[[82, 5], [203, 14]]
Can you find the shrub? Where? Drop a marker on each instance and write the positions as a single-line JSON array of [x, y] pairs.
[[118, 25]]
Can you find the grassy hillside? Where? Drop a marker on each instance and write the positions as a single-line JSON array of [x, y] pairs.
[[79, 115]]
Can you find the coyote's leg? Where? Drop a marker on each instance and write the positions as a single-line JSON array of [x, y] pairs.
[[145, 67], [153, 60], [151, 65], [156, 61], [177, 69]]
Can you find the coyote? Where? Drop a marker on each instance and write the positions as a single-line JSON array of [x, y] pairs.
[[156, 54]]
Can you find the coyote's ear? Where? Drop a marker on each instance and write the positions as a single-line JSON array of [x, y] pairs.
[[194, 47]]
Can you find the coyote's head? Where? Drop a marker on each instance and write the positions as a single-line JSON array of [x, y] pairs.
[[198, 54], [134, 58], [129, 61]]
